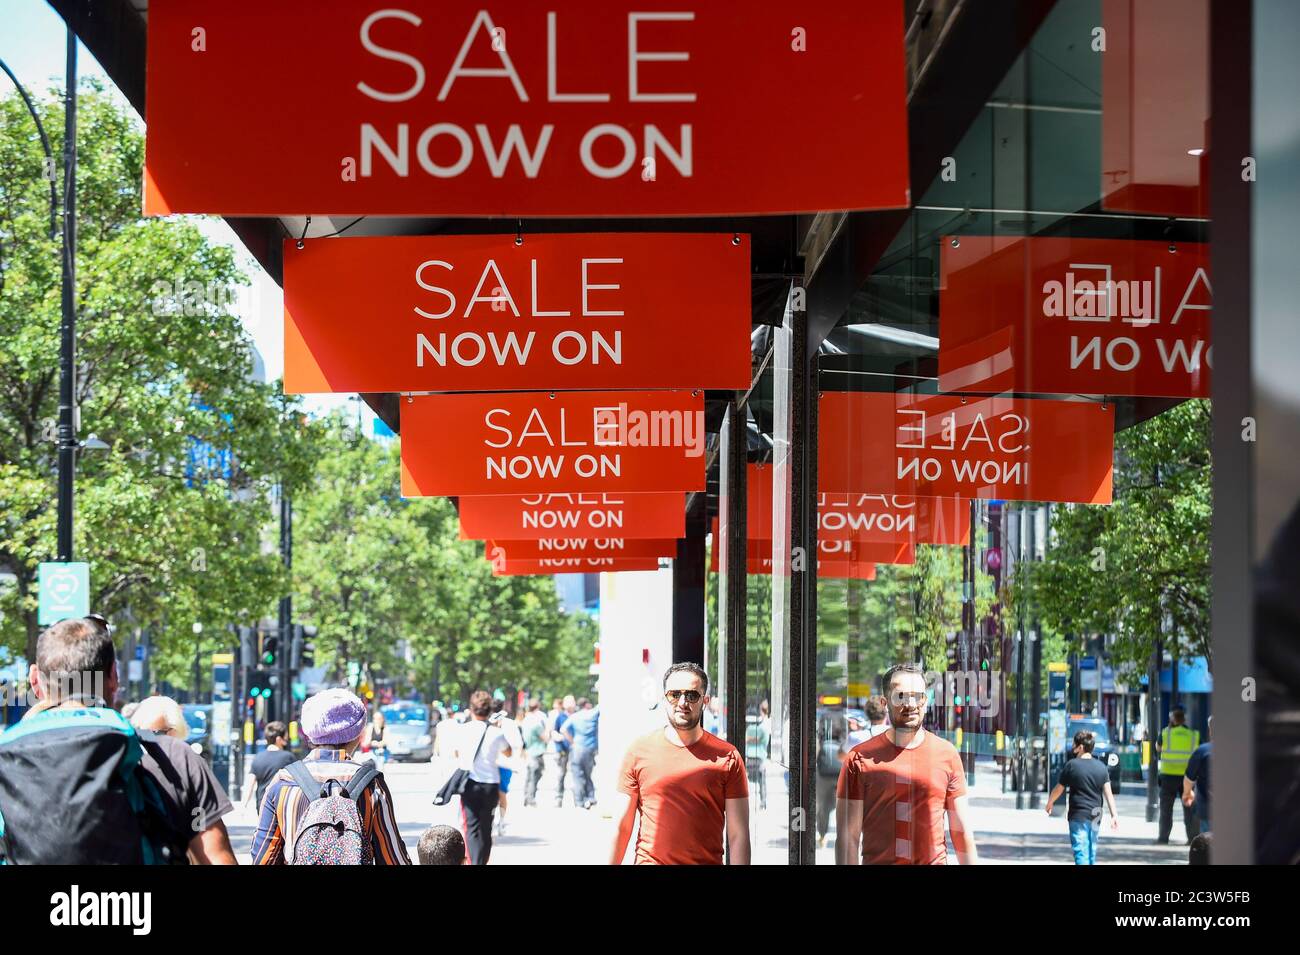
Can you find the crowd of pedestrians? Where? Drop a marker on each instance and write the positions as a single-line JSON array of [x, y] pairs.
[[128, 789]]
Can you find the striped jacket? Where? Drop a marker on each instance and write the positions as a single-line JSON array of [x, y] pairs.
[[284, 806]]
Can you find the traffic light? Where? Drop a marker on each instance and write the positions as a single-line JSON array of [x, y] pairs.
[[270, 649], [302, 652], [247, 647]]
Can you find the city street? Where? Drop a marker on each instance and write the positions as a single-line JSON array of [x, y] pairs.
[[549, 836]]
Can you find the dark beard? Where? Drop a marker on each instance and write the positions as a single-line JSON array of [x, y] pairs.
[[689, 726]]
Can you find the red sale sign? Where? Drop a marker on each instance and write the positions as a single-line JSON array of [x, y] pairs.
[[572, 565], [550, 548], [525, 443], [1074, 316], [1021, 449], [488, 313], [882, 518], [540, 516], [571, 108]]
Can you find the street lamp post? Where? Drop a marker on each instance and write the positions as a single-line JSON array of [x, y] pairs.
[[67, 431], [67, 446]]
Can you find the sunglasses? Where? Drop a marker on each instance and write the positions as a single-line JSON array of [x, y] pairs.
[[692, 696], [101, 620], [909, 699]]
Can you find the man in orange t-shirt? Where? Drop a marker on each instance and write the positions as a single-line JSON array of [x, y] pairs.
[[685, 784], [895, 788]]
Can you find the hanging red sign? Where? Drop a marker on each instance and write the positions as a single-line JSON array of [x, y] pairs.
[[488, 313], [1021, 449], [1074, 316], [552, 548], [574, 108], [531, 442], [1155, 107], [538, 516], [883, 518], [572, 565]]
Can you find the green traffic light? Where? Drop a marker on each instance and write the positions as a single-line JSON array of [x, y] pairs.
[[266, 694], [255, 692], [268, 658]]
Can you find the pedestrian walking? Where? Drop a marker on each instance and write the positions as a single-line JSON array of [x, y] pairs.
[[267, 764], [1175, 747], [376, 739], [441, 845], [758, 741], [684, 785], [1196, 781], [325, 809], [877, 711], [895, 788], [582, 730], [536, 736], [560, 747], [125, 796], [479, 744], [832, 731], [506, 762], [161, 715], [1088, 782]]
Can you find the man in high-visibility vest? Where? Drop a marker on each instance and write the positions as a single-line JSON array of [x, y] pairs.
[[1177, 743]]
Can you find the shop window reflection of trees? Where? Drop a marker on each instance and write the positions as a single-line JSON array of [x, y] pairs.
[[1110, 570], [908, 608]]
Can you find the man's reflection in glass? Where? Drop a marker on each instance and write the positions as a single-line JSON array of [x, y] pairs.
[[895, 788]]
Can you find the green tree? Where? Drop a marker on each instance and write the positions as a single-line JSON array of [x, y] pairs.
[[163, 372], [372, 568], [1118, 570]]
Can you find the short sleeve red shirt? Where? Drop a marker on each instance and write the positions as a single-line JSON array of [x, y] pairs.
[[682, 793], [904, 794]]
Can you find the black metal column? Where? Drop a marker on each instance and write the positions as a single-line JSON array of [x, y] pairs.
[[282, 704], [802, 669], [733, 565], [689, 571], [1233, 520]]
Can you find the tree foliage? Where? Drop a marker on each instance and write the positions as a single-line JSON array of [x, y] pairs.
[[377, 573], [172, 516], [1118, 570]]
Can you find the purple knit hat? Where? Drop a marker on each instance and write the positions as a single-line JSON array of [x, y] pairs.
[[333, 717]]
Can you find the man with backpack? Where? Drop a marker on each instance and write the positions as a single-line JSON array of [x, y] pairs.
[[326, 809], [80, 785]]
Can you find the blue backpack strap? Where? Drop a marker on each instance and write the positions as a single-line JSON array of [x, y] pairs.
[[309, 784], [361, 779]]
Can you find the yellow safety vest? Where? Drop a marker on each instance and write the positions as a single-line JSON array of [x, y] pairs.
[[1177, 743]]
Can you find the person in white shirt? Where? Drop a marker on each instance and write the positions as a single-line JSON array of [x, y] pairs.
[[477, 747], [877, 723]]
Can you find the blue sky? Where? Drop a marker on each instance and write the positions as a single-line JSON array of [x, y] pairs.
[[33, 42]]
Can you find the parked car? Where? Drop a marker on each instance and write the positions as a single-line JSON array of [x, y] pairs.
[[408, 732], [1102, 749], [199, 718]]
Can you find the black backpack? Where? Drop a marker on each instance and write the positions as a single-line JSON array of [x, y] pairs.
[[73, 792]]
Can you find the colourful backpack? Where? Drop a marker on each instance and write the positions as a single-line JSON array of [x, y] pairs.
[[331, 831]]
